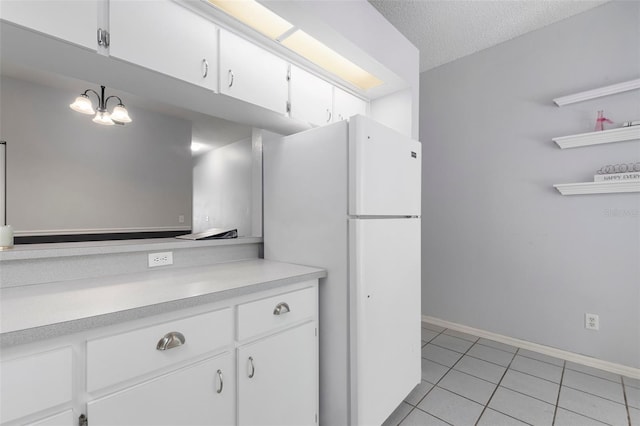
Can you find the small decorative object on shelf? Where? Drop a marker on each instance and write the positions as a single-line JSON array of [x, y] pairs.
[[631, 123], [617, 177], [619, 168], [601, 120]]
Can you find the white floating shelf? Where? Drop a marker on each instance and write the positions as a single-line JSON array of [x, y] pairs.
[[597, 187], [597, 93], [595, 138]]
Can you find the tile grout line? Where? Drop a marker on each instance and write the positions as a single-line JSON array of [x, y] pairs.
[[516, 353], [555, 410], [440, 379], [626, 402], [414, 407], [497, 386]]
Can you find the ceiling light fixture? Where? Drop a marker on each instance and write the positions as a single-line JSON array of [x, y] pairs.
[[83, 105], [263, 20]]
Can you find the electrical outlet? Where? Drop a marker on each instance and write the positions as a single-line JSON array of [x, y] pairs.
[[591, 322], [160, 259]]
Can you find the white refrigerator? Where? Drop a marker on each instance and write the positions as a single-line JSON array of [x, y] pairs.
[[346, 197]]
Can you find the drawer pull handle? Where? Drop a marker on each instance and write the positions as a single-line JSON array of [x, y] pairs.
[[281, 309], [219, 390], [252, 372], [171, 340]]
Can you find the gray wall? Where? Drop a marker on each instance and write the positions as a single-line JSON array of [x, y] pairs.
[[67, 173], [503, 251]]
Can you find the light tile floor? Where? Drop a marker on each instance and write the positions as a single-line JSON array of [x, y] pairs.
[[467, 381]]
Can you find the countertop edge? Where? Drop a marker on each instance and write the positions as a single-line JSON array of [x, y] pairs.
[[29, 335], [53, 250]]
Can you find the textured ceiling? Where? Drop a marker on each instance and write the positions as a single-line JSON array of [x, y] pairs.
[[445, 30]]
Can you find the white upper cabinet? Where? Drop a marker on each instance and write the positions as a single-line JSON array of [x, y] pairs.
[[345, 105], [70, 20], [251, 74], [311, 97], [165, 37]]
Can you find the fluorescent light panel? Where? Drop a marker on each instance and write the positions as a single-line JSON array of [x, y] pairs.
[[320, 54], [255, 15], [262, 19]]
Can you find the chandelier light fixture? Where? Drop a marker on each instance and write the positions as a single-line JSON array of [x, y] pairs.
[[83, 105]]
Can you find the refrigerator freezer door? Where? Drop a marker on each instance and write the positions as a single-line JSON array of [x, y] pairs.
[[384, 171], [385, 315]]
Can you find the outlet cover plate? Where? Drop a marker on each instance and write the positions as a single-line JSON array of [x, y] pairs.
[[591, 322], [160, 259]]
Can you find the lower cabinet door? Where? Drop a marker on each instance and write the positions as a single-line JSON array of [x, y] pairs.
[[278, 379], [200, 394]]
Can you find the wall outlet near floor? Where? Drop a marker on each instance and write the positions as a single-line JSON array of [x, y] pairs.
[[591, 322], [160, 259]]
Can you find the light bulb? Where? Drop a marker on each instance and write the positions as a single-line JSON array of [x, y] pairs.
[[120, 114], [103, 117], [83, 105]]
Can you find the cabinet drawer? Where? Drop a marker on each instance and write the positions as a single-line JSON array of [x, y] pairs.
[[34, 383], [116, 358], [260, 316]]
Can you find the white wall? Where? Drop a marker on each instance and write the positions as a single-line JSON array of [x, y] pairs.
[[223, 188], [502, 250], [66, 173]]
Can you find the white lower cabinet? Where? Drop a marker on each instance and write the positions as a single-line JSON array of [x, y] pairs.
[[278, 379], [35, 382], [184, 368], [200, 394]]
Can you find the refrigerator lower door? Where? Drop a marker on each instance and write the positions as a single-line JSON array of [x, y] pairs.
[[384, 170], [384, 280]]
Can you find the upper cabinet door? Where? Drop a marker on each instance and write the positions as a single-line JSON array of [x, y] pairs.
[[311, 97], [165, 37], [345, 105], [70, 20], [251, 74]]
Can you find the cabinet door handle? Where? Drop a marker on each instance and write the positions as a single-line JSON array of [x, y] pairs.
[[328, 116], [281, 308], [170, 340], [252, 368], [219, 390], [205, 68], [230, 78]]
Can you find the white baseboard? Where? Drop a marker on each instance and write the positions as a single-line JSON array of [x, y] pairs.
[[546, 350]]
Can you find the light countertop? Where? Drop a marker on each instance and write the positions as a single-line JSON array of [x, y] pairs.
[[32, 312], [49, 250]]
